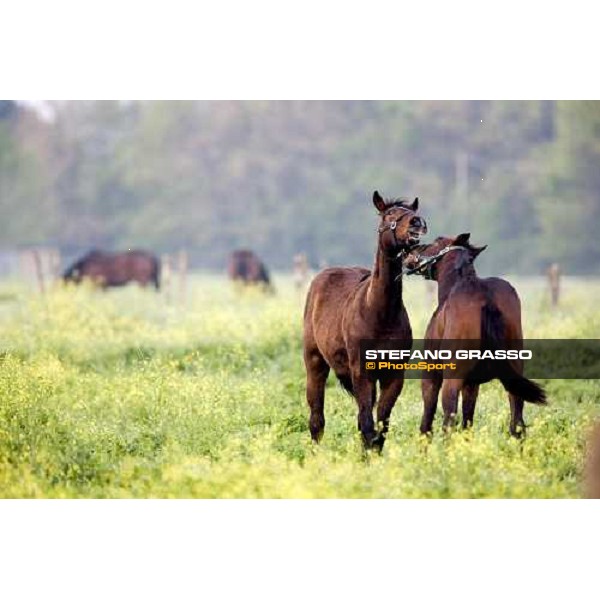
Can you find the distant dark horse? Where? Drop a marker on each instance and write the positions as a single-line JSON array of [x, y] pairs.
[[108, 269], [470, 308], [245, 267], [345, 305]]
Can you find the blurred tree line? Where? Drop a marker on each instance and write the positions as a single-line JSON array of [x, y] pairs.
[[285, 177]]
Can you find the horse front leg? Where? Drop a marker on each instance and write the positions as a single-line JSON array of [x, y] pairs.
[[364, 390], [317, 371], [390, 390]]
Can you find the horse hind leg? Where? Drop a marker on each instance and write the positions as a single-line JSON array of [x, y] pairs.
[[517, 424], [450, 391], [317, 371], [430, 389], [469, 399]]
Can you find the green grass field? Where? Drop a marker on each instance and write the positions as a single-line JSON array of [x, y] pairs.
[[123, 394]]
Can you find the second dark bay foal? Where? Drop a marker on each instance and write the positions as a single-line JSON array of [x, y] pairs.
[[484, 311]]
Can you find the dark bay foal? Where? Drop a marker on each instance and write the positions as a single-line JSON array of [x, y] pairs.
[[471, 308], [345, 305]]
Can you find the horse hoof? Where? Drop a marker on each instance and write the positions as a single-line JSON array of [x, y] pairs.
[[376, 444]]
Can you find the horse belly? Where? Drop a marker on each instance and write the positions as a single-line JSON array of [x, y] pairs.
[[327, 303], [118, 276], [133, 268], [96, 273]]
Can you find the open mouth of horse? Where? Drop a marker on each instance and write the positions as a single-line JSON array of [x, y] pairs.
[[415, 233]]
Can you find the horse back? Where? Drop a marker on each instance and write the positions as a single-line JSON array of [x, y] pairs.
[[504, 297], [330, 291], [460, 317], [120, 268]]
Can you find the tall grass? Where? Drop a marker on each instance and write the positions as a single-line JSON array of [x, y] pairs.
[[123, 394]]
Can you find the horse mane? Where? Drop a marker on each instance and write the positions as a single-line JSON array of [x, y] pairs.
[[469, 246], [421, 247], [401, 201]]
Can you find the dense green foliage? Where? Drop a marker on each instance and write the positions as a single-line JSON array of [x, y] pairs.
[[284, 177], [122, 394]]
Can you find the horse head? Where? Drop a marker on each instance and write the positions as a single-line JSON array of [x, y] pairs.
[[400, 228], [444, 252]]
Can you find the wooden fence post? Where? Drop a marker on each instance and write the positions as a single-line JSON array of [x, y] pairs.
[[54, 258], [39, 271], [183, 265], [23, 265], [554, 282], [165, 275], [300, 271]]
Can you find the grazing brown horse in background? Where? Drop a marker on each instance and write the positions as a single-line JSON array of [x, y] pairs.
[[347, 304], [470, 308], [113, 269], [245, 267]]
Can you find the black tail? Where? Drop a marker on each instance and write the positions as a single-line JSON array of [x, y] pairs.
[[493, 336], [346, 382], [523, 388]]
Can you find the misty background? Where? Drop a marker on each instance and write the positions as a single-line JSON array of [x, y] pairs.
[[286, 177]]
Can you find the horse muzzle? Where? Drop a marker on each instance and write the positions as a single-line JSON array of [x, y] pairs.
[[416, 230]]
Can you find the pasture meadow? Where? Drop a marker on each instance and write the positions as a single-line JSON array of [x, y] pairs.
[[128, 393]]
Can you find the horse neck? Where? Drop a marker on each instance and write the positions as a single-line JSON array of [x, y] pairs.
[[385, 287], [448, 277]]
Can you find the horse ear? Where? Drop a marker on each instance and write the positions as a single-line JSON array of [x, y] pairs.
[[378, 201], [461, 240], [415, 205], [477, 250]]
